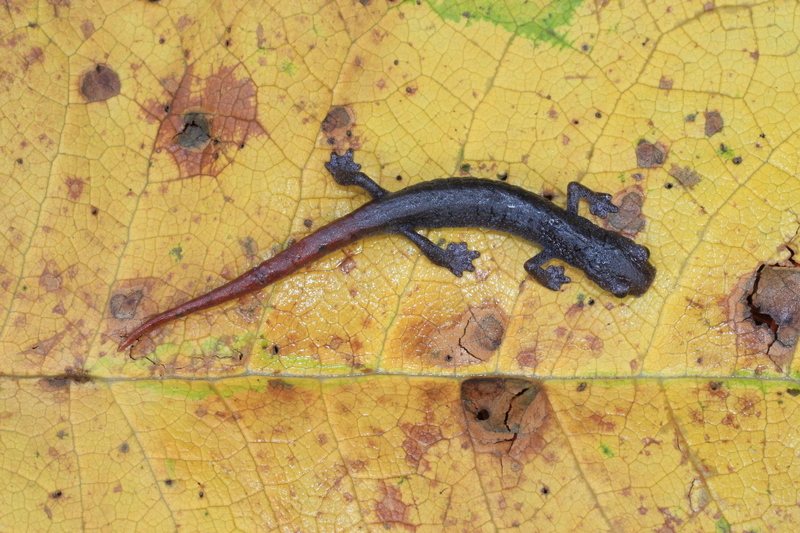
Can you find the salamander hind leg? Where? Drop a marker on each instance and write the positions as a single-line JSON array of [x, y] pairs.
[[599, 203], [551, 277], [456, 257], [347, 172]]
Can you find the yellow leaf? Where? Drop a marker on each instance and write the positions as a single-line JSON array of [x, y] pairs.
[[152, 151]]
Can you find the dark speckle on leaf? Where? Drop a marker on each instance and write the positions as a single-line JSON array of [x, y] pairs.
[[196, 132], [123, 306], [649, 155], [337, 117], [100, 83], [714, 123]]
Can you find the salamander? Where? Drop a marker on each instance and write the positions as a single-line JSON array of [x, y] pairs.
[[612, 261]]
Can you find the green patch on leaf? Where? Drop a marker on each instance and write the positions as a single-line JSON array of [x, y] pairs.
[[169, 465], [722, 526], [605, 450], [288, 67], [538, 20], [725, 153], [223, 348], [177, 254]]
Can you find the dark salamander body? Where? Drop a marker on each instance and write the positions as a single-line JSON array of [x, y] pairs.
[[612, 261]]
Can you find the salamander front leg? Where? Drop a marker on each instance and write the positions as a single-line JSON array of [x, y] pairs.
[[551, 277], [599, 203], [456, 257], [347, 172]]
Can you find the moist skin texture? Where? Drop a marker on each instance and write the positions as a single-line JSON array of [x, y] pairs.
[[612, 261]]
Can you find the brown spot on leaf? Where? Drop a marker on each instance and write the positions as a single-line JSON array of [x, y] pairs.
[[665, 83], [529, 358], [87, 28], [337, 117], [62, 381], [390, 509], [249, 246], [282, 390], [469, 338], [100, 83], [649, 155], [713, 123], [123, 306], [775, 302], [419, 438], [597, 423], [34, 55], [75, 188], [227, 102], [764, 312], [43, 347], [685, 176], [507, 416], [184, 22], [51, 279], [195, 134], [347, 265], [629, 219], [338, 127], [357, 465]]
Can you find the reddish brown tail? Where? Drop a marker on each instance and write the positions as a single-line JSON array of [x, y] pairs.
[[325, 240]]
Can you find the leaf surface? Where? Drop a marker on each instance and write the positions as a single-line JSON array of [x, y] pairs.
[[152, 151]]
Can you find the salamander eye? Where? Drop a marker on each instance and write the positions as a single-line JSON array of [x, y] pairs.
[[641, 253], [622, 294]]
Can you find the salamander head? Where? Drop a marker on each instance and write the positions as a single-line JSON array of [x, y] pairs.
[[622, 268]]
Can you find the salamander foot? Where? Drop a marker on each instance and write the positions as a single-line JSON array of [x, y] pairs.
[[551, 277], [458, 258]]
